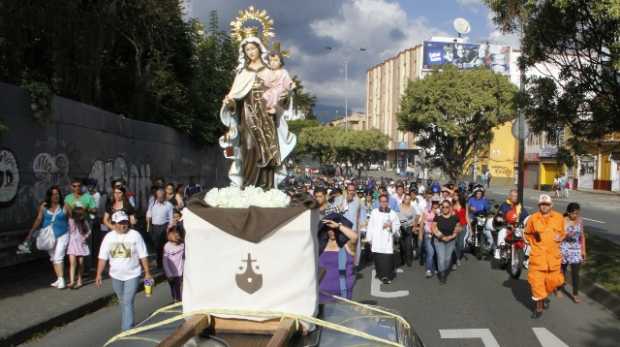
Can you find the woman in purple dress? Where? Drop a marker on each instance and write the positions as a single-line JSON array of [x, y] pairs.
[[573, 247], [336, 256]]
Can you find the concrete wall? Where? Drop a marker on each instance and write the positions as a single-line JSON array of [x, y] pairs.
[[84, 141]]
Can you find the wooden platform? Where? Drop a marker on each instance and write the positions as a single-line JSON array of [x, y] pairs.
[[237, 332]]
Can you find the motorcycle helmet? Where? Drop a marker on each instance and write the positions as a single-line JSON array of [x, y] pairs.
[[511, 217]]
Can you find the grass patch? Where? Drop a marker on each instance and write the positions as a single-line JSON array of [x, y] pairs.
[[603, 263]]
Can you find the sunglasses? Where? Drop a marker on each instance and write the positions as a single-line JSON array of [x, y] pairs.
[[445, 206]]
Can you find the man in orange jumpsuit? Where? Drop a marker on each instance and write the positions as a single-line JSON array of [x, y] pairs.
[[544, 232]]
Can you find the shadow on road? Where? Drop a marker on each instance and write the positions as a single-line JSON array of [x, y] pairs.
[[520, 290]]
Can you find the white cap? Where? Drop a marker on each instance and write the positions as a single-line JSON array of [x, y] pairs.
[[544, 199], [119, 216]]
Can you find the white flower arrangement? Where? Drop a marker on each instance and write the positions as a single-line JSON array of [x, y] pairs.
[[233, 197]]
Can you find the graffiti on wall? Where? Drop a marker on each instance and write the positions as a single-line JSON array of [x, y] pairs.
[[137, 177], [501, 171], [49, 170], [9, 176]]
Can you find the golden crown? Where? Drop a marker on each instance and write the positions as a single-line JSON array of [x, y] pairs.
[[238, 32]]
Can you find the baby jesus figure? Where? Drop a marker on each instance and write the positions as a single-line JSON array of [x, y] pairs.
[[279, 84]]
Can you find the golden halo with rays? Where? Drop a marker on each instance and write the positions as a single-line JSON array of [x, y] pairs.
[[238, 32]]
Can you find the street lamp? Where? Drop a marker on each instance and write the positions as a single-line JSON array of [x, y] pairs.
[[346, 85]]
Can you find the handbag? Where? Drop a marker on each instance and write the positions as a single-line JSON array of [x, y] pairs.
[[46, 240]]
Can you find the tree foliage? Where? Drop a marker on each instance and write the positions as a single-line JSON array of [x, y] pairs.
[[296, 126], [453, 112], [580, 38], [137, 58], [336, 145], [304, 101]]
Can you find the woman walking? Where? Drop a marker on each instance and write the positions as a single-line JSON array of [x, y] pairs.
[[52, 213], [427, 237], [458, 207], [118, 202], [78, 249], [337, 244], [445, 228], [573, 247], [407, 216]]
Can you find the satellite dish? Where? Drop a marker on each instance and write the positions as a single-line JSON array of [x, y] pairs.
[[461, 25]]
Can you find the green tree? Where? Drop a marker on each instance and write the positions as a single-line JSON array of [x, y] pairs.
[[296, 126], [136, 58], [335, 145], [580, 39], [304, 101], [453, 112]]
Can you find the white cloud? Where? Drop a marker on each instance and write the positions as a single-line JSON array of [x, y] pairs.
[[469, 2], [381, 27], [498, 37]]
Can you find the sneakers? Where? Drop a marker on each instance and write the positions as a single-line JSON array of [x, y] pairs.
[[496, 253], [429, 274], [60, 283], [453, 267]]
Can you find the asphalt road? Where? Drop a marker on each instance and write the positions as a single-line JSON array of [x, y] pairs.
[[493, 305]]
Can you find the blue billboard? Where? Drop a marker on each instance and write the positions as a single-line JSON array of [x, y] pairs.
[[467, 55]]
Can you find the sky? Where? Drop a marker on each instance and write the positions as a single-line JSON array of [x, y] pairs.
[[381, 27]]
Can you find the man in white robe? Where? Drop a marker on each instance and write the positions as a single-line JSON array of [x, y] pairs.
[[383, 227]]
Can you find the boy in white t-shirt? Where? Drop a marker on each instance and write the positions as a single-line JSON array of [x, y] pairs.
[[125, 250]]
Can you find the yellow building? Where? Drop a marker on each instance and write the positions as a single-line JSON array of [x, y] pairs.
[[355, 121], [501, 156]]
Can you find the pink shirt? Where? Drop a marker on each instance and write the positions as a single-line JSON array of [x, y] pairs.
[[174, 255]]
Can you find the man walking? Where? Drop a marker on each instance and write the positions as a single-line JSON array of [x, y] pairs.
[[354, 212], [544, 232], [158, 218]]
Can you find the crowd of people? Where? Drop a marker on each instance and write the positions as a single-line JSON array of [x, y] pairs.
[[363, 222], [371, 220], [103, 227]]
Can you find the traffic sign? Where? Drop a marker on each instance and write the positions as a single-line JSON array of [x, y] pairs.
[[515, 129]]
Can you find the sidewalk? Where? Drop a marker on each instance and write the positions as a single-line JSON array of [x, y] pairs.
[[31, 307]]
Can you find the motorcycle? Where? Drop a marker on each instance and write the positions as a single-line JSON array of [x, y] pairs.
[[477, 241], [512, 252]]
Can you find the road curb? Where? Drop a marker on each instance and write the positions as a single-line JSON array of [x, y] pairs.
[[66, 317], [601, 295]]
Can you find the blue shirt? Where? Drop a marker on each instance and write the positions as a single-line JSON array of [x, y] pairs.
[[393, 204], [480, 205], [61, 223], [505, 207], [351, 212]]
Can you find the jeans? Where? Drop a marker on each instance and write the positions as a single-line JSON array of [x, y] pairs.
[[460, 243], [126, 293], [430, 252], [406, 246], [444, 254]]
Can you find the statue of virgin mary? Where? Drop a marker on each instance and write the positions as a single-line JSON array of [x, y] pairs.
[[257, 142]]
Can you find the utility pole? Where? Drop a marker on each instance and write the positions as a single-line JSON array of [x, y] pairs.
[[346, 97], [521, 115]]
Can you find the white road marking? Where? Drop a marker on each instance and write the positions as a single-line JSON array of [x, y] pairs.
[[530, 208], [547, 339], [488, 340], [593, 220], [375, 288]]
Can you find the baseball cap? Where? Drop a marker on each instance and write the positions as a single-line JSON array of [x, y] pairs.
[[119, 217], [544, 199]]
